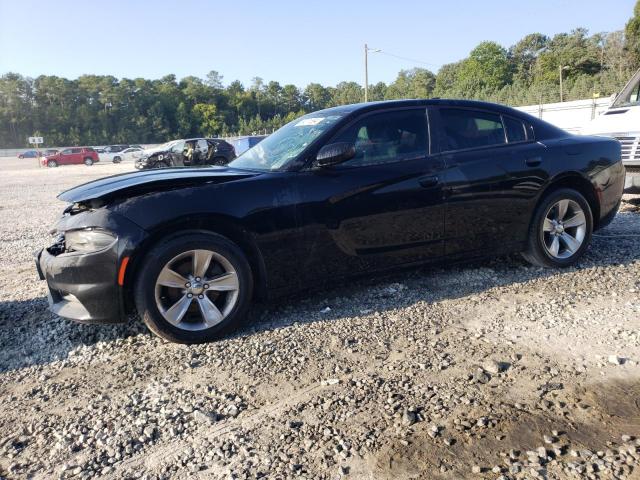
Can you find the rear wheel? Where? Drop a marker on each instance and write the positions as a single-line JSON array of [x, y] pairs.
[[219, 161], [88, 161], [560, 231], [52, 163], [117, 159], [193, 287]]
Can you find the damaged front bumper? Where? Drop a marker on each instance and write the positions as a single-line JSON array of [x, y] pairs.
[[84, 286]]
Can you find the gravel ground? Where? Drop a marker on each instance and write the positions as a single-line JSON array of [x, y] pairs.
[[488, 370]]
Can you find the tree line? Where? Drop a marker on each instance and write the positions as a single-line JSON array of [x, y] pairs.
[[98, 109]]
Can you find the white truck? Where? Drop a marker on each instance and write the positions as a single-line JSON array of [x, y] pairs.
[[622, 121]]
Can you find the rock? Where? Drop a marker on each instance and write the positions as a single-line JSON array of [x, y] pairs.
[[331, 381], [494, 367], [476, 469], [408, 418], [615, 360], [202, 417]]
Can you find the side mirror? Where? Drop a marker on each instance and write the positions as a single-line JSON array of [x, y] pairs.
[[335, 153]]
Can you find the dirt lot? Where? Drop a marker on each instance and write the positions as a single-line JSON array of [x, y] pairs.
[[489, 370]]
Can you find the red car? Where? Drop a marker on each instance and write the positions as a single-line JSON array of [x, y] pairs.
[[72, 156]]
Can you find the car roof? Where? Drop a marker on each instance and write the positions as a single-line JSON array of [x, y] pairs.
[[544, 128], [383, 104]]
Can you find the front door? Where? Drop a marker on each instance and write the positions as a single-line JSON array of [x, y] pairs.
[[70, 156], [382, 208]]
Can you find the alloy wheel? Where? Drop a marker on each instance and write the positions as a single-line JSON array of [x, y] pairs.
[[564, 228], [196, 290]]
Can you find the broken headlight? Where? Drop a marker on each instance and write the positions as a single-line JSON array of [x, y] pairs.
[[88, 240]]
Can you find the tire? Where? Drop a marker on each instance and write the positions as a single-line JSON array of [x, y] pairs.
[[52, 164], [161, 164], [20, 157], [88, 161], [219, 161], [158, 303], [117, 159], [558, 239]]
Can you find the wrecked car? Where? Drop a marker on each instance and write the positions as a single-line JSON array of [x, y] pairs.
[[187, 153], [336, 193]]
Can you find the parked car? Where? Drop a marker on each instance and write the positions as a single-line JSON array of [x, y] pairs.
[[72, 156], [340, 192], [115, 148], [129, 153], [205, 151], [622, 121], [30, 154], [242, 144]]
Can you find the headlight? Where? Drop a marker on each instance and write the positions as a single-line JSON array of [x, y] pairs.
[[88, 240]]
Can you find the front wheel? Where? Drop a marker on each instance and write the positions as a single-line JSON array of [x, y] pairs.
[[560, 231], [193, 287], [52, 163], [117, 159], [88, 161]]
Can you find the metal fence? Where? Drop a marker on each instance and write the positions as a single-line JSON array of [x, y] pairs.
[[570, 116]]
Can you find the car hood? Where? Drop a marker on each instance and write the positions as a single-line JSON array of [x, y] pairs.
[[153, 151], [138, 183]]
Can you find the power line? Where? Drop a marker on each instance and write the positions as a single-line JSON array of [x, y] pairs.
[[413, 60]]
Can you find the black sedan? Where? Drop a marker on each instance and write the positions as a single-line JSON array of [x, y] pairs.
[[335, 193]]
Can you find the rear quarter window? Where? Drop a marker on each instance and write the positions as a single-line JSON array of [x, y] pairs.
[[516, 130]]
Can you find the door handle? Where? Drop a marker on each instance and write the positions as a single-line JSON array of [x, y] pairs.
[[533, 161], [429, 181]]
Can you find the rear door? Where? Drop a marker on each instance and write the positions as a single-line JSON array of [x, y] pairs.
[[76, 156], [489, 160], [470, 142]]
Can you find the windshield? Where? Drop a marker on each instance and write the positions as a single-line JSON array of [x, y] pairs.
[[630, 96], [286, 143]]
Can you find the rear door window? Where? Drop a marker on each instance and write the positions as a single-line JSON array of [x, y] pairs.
[[464, 129]]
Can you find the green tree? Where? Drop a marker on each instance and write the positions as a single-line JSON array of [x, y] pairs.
[[632, 33], [208, 118], [486, 69]]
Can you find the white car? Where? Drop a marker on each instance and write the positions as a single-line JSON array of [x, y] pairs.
[[622, 121], [128, 154]]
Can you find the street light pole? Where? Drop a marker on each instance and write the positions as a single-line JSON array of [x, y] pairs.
[[561, 95], [366, 73], [560, 69]]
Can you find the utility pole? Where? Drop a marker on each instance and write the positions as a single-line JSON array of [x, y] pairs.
[[366, 73], [366, 69]]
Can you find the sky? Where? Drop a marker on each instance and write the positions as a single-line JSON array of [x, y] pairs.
[[288, 41]]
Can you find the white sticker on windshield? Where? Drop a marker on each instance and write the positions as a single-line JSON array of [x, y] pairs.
[[309, 122]]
